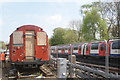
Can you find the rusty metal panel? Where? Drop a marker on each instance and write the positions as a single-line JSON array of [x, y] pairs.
[[29, 44], [41, 38], [18, 37]]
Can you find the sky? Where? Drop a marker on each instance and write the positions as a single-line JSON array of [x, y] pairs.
[[47, 14]]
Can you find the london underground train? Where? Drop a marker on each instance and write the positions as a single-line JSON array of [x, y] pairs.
[[94, 50], [29, 46]]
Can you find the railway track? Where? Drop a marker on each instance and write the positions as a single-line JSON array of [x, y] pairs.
[[95, 65], [113, 62], [111, 69], [44, 71]]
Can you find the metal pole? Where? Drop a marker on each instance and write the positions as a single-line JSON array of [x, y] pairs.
[[62, 68], [56, 52], [107, 60]]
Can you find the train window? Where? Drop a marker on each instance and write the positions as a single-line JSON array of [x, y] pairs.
[[66, 48], [94, 46], [116, 45], [59, 49], [18, 38], [41, 38], [75, 48], [103, 47]]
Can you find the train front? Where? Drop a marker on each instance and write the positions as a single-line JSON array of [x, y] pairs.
[[29, 45]]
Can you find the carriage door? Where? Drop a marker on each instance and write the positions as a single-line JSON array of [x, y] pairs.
[[29, 45]]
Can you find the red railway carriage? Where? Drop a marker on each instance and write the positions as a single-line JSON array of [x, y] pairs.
[[29, 43]]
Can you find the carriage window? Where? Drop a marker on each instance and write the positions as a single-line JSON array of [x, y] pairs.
[[75, 48], [18, 38], [41, 38], [103, 47], [94, 46], [59, 49], [66, 48], [116, 45]]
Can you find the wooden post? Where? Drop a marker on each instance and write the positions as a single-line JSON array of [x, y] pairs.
[[72, 59]]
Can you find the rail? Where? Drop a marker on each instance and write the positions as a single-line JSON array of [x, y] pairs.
[[85, 70]]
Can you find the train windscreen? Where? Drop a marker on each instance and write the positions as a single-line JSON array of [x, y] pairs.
[[41, 38], [18, 38]]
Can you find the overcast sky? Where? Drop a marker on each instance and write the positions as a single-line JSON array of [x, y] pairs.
[[48, 14]]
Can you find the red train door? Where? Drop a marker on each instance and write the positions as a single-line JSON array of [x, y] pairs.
[[88, 49], [79, 49], [29, 45], [102, 49]]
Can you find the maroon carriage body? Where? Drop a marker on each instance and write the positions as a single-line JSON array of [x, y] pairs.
[[29, 43]]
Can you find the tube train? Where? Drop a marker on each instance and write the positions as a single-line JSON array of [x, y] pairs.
[[29, 46], [94, 50]]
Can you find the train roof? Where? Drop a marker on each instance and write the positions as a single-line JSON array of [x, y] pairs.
[[29, 27], [114, 39], [25, 27]]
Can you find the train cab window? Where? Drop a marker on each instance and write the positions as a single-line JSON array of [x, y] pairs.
[[41, 38], [94, 46], [103, 47], [116, 45], [18, 38]]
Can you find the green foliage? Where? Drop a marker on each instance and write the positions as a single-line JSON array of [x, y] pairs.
[[70, 36], [94, 27], [57, 37], [63, 36], [93, 24], [102, 29]]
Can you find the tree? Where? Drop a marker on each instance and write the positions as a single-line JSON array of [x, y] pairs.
[[63, 36], [57, 37], [109, 11], [93, 25], [75, 25], [70, 36]]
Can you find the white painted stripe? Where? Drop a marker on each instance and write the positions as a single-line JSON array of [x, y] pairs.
[[75, 51], [94, 51]]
